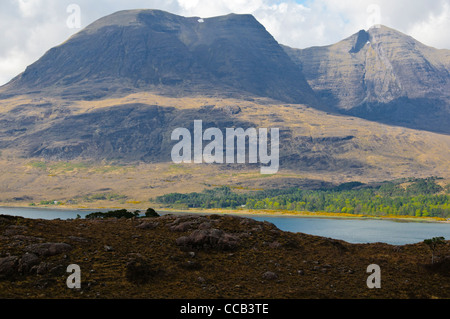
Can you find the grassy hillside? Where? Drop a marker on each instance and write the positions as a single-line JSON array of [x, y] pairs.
[[316, 148]]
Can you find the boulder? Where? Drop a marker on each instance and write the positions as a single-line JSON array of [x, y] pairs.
[[8, 266], [41, 269], [209, 239], [182, 227], [27, 261], [269, 275], [205, 225], [148, 225], [48, 249]]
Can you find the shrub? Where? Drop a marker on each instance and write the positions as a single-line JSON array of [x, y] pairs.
[[150, 212], [122, 213]]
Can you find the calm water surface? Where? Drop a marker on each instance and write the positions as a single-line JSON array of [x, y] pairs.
[[363, 230], [350, 230]]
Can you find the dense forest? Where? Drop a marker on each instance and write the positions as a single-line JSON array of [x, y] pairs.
[[412, 197]]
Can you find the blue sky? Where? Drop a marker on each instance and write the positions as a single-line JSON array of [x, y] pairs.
[[31, 27]]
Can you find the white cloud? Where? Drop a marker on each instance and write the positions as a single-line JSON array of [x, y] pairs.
[[31, 27], [431, 30], [10, 63], [29, 8]]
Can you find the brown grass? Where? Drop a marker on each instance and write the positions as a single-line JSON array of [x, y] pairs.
[[306, 266]]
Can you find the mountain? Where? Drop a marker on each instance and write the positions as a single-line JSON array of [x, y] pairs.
[[381, 75], [141, 50], [95, 114]]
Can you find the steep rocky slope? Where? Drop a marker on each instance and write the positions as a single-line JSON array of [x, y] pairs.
[[141, 50], [382, 75]]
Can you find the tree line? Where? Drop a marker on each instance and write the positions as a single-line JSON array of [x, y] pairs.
[[413, 197]]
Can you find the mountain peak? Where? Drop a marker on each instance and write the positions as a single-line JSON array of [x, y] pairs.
[[381, 28], [128, 18], [147, 17], [155, 50], [381, 74]]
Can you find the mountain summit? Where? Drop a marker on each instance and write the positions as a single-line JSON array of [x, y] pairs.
[[384, 75], [148, 49]]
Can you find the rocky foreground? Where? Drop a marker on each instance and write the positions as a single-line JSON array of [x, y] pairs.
[[196, 257]]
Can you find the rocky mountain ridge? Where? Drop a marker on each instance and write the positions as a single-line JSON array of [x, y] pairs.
[[142, 50], [381, 75]]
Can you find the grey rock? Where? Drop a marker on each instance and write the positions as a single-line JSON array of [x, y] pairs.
[[48, 249], [182, 227], [269, 275], [8, 265], [27, 261], [205, 225], [41, 269], [209, 239], [148, 225]]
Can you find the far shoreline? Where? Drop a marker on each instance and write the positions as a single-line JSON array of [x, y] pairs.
[[268, 213], [237, 212]]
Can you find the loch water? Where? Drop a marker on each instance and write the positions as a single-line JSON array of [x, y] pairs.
[[394, 232]]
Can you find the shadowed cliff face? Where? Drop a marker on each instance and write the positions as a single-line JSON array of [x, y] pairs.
[[142, 49], [383, 75]]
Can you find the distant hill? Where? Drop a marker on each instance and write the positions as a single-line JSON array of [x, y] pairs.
[[381, 75]]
